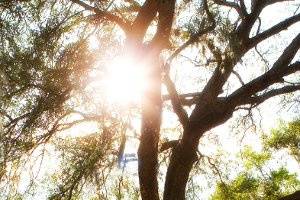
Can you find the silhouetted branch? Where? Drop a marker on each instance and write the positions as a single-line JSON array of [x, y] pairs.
[[281, 68], [238, 76], [243, 7], [275, 92], [175, 100], [239, 10], [195, 37], [141, 23], [274, 30], [165, 20], [104, 14]]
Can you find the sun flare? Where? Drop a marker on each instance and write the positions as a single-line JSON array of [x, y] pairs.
[[125, 80]]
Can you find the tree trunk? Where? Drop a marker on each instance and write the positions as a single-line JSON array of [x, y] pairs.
[[205, 116], [181, 162], [151, 121]]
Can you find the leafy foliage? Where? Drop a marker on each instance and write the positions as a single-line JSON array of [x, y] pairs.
[[287, 136], [45, 68], [258, 180], [246, 186], [84, 159]]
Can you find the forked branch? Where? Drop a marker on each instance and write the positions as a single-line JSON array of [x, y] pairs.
[[166, 11], [241, 10], [145, 16], [281, 68]]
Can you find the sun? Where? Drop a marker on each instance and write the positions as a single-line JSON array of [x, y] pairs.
[[125, 80]]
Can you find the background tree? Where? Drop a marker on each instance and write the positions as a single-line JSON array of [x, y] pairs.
[[261, 180], [47, 67]]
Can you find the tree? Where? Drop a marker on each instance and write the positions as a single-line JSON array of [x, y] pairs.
[[45, 63], [285, 137], [260, 180]]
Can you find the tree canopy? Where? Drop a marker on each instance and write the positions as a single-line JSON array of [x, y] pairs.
[[83, 81]]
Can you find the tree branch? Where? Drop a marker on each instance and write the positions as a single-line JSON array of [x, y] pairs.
[[288, 54], [275, 92], [141, 23], [244, 28], [166, 10], [243, 7], [176, 103], [274, 30], [220, 75], [248, 21], [238, 77], [281, 68], [107, 15], [195, 37], [242, 12]]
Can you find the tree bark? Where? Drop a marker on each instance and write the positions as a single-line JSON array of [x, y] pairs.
[[293, 196], [181, 162], [151, 121]]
